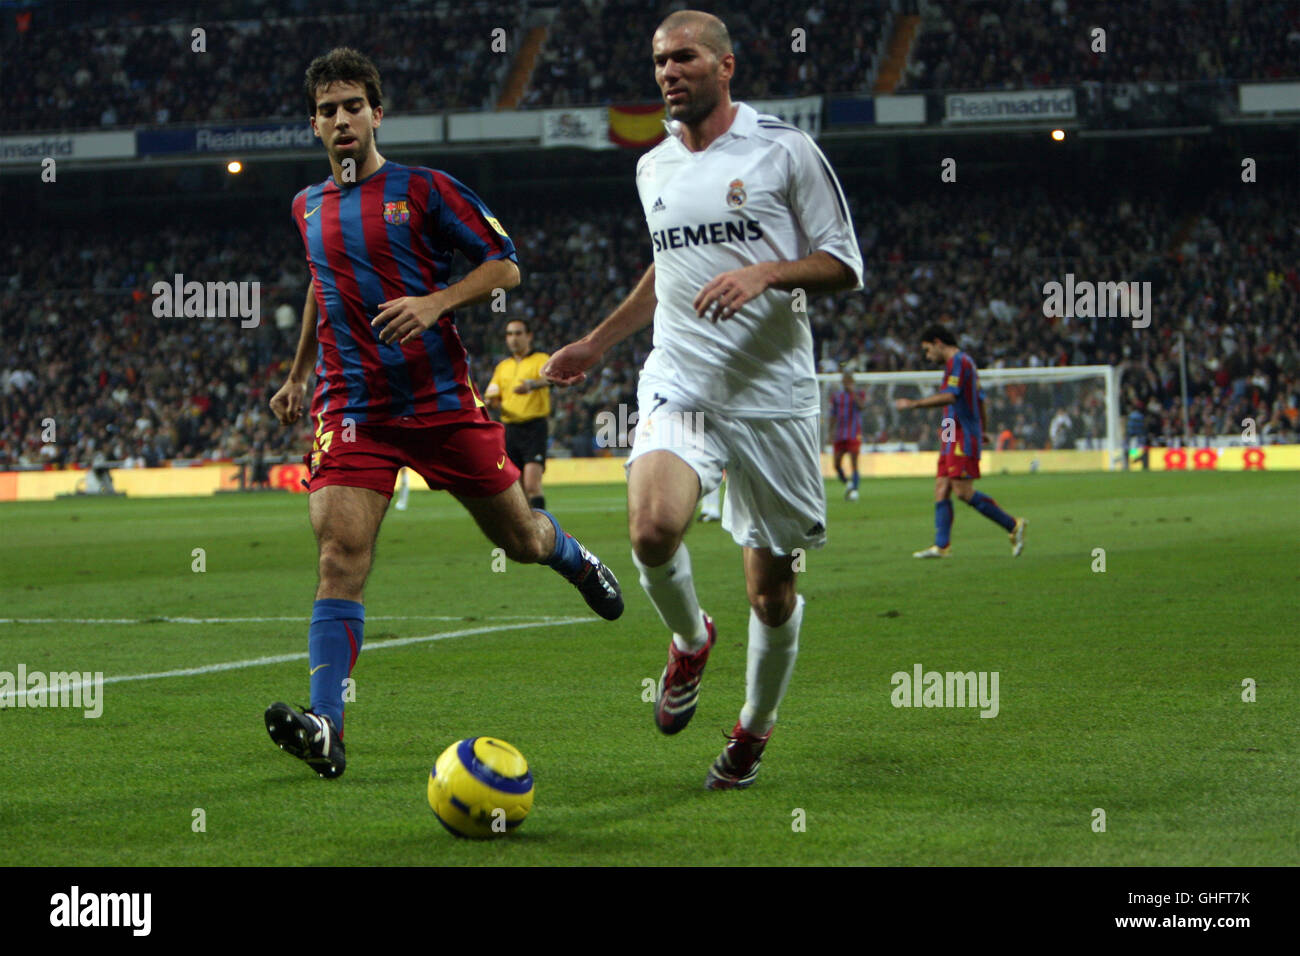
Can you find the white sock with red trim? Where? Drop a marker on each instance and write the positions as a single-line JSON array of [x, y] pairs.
[[672, 591], [772, 653]]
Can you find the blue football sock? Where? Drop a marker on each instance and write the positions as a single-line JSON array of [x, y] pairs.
[[855, 481], [989, 509], [942, 522], [840, 472], [567, 556], [333, 643]]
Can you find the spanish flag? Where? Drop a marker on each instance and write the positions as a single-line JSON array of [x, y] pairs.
[[636, 126]]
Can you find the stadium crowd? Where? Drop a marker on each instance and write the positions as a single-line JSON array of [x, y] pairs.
[[1011, 44], [140, 68], [598, 51], [129, 64], [143, 69], [119, 383]]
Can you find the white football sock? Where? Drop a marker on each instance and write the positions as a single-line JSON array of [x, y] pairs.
[[403, 490], [772, 652], [672, 592]]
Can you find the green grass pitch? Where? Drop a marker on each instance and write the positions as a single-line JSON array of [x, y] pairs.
[[1120, 690]]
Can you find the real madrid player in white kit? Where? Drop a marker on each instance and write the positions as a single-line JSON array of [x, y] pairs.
[[743, 210]]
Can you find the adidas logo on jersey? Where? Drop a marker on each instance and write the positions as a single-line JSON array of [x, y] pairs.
[[658, 206]]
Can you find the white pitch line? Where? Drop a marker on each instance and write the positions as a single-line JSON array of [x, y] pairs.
[[257, 620], [286, 658]]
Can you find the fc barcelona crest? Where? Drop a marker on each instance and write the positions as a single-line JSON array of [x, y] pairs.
[[396, 213], [736, 193]]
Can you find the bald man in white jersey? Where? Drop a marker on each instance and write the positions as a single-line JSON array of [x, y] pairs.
[[743, 209]]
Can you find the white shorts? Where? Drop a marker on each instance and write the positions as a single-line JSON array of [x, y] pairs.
[[775, 496]]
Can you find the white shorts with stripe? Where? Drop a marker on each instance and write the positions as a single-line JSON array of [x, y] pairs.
[[775, 497]]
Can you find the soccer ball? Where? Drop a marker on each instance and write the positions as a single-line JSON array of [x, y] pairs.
[[481, 787]]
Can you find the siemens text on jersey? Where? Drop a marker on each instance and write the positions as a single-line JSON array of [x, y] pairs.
[[683, 237]]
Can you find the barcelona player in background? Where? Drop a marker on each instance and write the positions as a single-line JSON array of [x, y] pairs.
[[392, 382], [846, 431], [962, 432]]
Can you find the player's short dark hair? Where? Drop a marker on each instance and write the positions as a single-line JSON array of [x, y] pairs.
[[712, 31], [937, 333], [524, 322], [342, 65]]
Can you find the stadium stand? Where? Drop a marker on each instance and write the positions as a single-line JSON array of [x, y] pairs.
[[130, 64], [1009, 44], [132, 386], [590, 46], [83, 346], [126, 74]]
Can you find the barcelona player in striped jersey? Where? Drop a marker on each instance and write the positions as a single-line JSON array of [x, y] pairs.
[[846, 431], [962, 433], [392, 383]]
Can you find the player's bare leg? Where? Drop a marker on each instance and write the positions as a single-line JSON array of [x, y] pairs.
[[534, 537], [532, 481], [839, 468], [662, 490], [770, 585], [346, 522], [775, 615], [526, 536]]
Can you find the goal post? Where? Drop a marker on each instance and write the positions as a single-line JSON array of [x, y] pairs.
[[1066, 406]]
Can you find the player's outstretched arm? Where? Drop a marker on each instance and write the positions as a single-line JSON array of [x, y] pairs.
[[287, 402], [410, 316], [930, 401], [568, 366]]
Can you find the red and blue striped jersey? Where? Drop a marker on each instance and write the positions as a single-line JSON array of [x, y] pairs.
[[846, 415], [961, 380], [390, 235]]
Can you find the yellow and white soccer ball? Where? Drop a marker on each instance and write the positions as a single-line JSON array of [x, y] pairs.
[[481, 787]]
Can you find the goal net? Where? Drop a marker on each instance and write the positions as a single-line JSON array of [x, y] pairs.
[[1029, 409]]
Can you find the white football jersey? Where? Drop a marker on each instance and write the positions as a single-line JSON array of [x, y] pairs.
[[761, 191]]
